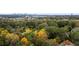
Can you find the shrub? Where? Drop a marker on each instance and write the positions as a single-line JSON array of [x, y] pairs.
[[72, 24], [31, 24], [42, 25], [25, 41], [12, 38], [52, 23], [64, 33], [53, 42], [62, 23], [52, 31], [75, 35], [39, 42], [42, 34]]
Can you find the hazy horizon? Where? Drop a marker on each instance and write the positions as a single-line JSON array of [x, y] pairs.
[[41, 13]]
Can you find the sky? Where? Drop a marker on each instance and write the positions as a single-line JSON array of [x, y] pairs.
[[39, 6]]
